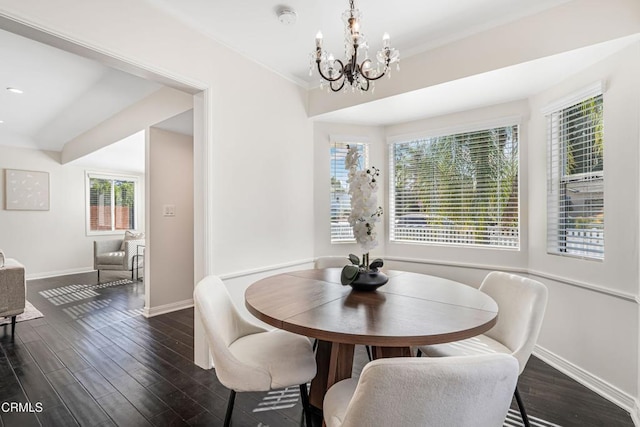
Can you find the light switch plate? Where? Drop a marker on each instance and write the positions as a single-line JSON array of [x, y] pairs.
[[169, 210]]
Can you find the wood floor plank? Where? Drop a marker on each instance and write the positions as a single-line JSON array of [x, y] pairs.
[[171, 419], [94, 383], [36, 385], [72, 360], [89, 341], [83, 407], [17, 418], [56, 416], [55, 341], [121, 411], [16, 352], [178, 401], [44, 357], [140, 397]]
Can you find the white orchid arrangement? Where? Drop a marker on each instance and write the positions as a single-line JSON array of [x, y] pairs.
[[365, 212]]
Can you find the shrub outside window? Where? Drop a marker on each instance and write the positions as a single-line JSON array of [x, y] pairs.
[[456, 189], [111, 203], [575, 183]]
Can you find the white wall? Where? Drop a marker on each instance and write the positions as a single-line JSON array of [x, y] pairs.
[[259, 135], [257, 155], [591, 325], [170, 247], [596, 331], [51, 242], [569, 26]]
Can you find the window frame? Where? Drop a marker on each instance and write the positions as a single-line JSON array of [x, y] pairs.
[[510, 121], [113, 177], [346, 140], [558, 179]]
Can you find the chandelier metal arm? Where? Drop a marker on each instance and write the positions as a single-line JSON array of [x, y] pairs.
[[371, 79], [358, 75], [340, 75]]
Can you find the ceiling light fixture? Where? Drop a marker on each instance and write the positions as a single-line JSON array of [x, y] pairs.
[[14, 90], [359, 75]]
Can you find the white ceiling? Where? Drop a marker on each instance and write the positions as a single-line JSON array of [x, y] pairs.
[[126, 155], [506, 84], [66, 95], [252, 28]]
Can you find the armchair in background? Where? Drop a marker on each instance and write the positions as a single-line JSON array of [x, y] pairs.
[[117, 254]]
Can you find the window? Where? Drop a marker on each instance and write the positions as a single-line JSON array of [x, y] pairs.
[[340, 200], [111, 203], [457, 189], [575, 182]]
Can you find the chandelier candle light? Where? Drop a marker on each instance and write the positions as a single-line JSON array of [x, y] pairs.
[[365, 213], [362, 75]]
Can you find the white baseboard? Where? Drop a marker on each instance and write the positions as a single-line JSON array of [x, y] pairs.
[[592, 382], [167, 308], [59, 273], [635, 414]]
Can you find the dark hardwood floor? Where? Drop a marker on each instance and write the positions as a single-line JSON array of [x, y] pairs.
[[94, 360]]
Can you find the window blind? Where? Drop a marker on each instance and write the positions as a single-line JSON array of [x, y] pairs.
[[575, 182], [111, 204], [340, 200], [459, 189]]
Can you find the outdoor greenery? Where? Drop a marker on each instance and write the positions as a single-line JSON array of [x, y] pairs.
[[123, 208], [466, 183], [582, 137], [583, 134]]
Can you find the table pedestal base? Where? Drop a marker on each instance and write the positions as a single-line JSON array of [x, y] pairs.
[[335, 363]]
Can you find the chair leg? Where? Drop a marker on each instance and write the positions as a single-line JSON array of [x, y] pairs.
[[227, 417], [368, 352], [304, 395], [98, 276], [419, 353], [13, 326], [315, 344], [523, 413]]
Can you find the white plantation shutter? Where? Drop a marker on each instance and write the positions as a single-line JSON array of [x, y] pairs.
[[575, 178], [340, 200], [459, 189]]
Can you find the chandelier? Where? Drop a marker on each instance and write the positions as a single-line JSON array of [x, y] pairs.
[[334, 73]]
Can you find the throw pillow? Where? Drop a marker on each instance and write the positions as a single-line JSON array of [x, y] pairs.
[[130, 235], [1, 258]]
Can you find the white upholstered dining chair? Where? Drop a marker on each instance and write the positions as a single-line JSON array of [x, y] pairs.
[[247, 357], [521, 306], [429, 392], [331, 262]]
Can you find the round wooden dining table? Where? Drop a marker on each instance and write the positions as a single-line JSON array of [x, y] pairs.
[[411, 309]]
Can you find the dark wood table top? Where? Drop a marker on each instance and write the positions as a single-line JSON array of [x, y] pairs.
[[412, 309]]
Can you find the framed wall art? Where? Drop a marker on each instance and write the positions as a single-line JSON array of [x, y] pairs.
[[26, 190]]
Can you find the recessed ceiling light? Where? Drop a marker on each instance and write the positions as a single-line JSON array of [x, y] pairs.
[[14, 90], [1, 122]]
